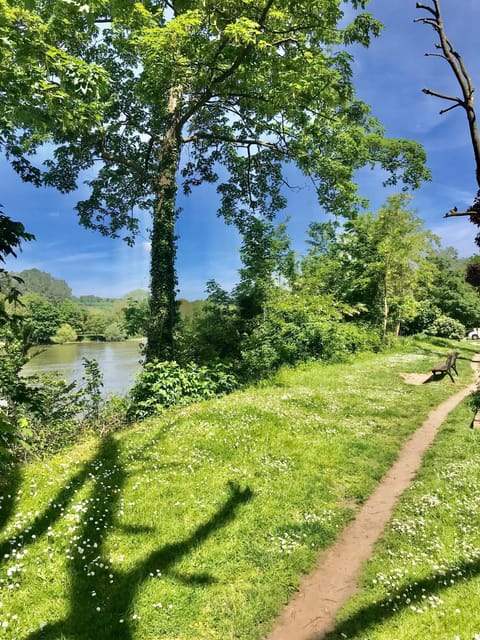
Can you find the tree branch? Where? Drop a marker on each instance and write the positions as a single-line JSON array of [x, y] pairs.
[[462, 76], [241, 142], [456, 213], [430, 92], [420, 5]]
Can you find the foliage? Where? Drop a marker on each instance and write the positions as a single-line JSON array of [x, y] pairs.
[[189, 307], [42, 413], [51, 412], [374, 264], [11, 236], [38, 409], [424, 314], [92, 390], [72, 314], [450, 290], [41, 316], [445, 327], [164, 384], [296, 328], [47, 91], [95, 323], [94, 302], [213, 334], [45, 285], [65, 333], [473, 275], [114, 332], [136, 313], [218, 85]]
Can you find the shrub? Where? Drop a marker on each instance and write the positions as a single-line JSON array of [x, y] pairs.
[[276, 342], [446, 327], [114, 332], [65, 333], [92, 390], [164, 384], [50, 412]]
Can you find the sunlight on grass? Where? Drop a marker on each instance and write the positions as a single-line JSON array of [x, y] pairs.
[[200, 523], [424, 579]]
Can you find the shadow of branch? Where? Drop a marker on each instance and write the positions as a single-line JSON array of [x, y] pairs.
[[102, 598], [381, 611]]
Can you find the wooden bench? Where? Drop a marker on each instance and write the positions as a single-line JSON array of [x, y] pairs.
[[443, 368]]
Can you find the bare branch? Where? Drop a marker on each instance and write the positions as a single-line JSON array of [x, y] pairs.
[[435, 55], [462, 76], [456, 213], [454, 106], [420, 5], [430, 92]]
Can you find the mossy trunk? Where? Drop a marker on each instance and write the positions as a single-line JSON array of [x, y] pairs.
[[164, 313]]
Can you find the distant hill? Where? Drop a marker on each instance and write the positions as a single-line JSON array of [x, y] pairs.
[[55, 290], [44, 284]]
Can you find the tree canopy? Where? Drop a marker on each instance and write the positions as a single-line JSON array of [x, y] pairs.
[[185, 91]]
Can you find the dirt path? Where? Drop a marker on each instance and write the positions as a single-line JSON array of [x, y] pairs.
[[311, 612]]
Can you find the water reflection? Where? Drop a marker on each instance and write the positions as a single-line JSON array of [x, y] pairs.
[[119, 362]]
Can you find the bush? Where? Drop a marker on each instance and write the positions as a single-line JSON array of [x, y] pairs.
[[50, 412], [65, 333], [276, 342], [164, 384], [446, 327], [114, 333]]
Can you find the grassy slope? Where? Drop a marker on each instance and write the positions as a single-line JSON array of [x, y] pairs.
[[423, 580], [198, 525]]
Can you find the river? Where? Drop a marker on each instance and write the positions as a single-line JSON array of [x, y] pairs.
[[118, 361]]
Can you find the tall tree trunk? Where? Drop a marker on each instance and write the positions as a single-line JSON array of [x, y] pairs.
[[164, 313], [385, 318]]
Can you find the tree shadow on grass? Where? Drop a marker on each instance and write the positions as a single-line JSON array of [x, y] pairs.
[[381, 611], [47, 518], [9, 483], [101, 596]]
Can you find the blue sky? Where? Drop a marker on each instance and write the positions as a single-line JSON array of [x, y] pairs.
[[389, 76]]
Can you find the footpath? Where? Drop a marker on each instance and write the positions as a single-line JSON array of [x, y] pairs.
[[311, 612]]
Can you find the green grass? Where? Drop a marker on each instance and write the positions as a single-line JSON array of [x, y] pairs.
[[423, 580], [199, 524]]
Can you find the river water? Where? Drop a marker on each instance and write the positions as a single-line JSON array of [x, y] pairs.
[[119, 362]]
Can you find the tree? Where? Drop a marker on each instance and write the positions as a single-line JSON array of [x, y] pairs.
[[135, 314], [373, 264], [266, 255], [466, 102], [114, 332], [41, 316], [401, 246], [450, 291], [95, 323], [72, 314], [249, 87], [12, 234]]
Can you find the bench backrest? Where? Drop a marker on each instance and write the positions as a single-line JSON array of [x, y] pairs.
[[452, 358]]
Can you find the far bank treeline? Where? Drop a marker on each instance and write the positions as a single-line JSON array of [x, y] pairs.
[[360, 283], [51, 314]]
